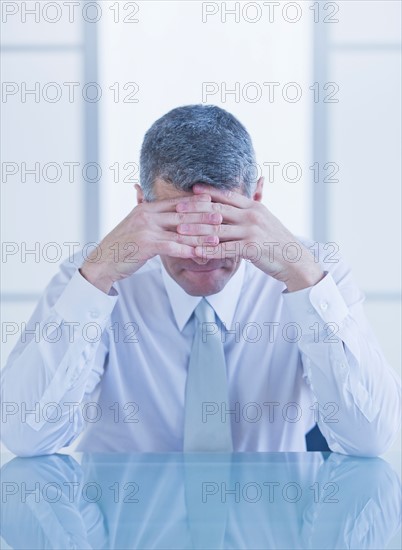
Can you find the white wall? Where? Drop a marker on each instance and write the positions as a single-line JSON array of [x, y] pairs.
[[364, 136], [38, 134]]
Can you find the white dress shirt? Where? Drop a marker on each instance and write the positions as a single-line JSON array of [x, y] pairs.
[[116, 365]]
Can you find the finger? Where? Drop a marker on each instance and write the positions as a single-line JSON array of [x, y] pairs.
[[176, 250], [222, 251], [230, 214], [169, 205], [197, 206], [225, 232], [190, 240], [170, 220], [198, 229], [224, 196]]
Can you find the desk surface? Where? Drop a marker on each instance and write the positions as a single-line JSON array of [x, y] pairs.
[[245, 500]]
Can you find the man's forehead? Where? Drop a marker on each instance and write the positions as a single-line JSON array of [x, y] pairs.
[[163, 190]]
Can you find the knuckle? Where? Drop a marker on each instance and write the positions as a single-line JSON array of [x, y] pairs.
[[254, 217], [143, 215], [177, 237], [146, 236], [182, 250], [169, 248]]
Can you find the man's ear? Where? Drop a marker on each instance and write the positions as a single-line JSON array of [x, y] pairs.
[[258, 190], [140, 194]]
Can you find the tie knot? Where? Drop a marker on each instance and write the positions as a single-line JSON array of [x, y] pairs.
[[204, 312]]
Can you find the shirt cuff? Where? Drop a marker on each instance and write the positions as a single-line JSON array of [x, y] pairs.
[[323, 299], [81, 301]]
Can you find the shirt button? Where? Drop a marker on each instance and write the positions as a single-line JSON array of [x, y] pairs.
[[94, 314], [324, 306], [342, 365]]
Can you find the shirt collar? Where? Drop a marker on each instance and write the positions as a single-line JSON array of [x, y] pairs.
[[224, 302]]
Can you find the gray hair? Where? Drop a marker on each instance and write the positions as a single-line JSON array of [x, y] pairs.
[[198, 143]]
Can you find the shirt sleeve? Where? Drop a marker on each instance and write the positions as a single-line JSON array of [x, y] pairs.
[[58, 360], [357, 394]]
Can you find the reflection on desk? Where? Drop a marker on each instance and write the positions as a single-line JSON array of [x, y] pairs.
[[263, 500]]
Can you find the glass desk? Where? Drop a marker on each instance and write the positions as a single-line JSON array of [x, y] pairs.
[[245, 500]]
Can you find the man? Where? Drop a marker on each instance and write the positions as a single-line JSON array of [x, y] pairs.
[[200, 322]]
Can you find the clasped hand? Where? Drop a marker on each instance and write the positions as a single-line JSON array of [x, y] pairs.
[[209, 224]]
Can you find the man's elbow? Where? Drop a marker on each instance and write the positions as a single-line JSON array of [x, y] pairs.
[[24, 441], [372, 442]]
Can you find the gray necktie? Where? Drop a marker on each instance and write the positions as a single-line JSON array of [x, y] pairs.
[[205, 428]]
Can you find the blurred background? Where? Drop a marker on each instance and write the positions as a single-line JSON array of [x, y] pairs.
[[317, 84]]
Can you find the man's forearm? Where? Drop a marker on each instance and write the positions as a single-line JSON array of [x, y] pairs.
[[49, 369], [345, 369]]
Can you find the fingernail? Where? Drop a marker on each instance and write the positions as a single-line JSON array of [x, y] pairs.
[[216, 218], [183, 227], [212, 239]]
